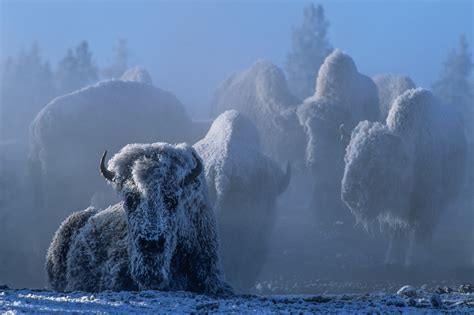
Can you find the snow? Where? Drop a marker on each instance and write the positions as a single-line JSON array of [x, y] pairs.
[[147, 302]]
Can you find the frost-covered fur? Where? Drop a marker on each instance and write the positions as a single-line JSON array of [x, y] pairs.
[[70, 133], [161, 236], [261, 93], [405, 173], [343, 96], [244, 185], [137, 74], [390, 86]]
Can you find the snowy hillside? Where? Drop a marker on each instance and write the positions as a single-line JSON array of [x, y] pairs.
[[408, 300]]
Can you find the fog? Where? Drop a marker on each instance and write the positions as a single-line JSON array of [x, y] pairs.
[[327, 88]]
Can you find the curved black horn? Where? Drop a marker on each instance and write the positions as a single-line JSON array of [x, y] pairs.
[[345, 136], [286, 179], [108, 175], [195, 172]]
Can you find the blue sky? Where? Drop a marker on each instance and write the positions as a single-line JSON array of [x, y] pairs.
[[189, 47]]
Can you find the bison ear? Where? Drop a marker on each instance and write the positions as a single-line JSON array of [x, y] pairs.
[[345, 136], [286, 179], [195, 172]]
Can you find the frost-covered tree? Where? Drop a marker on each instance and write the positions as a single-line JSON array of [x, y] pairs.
[[455, 86], [310, 46], [119, 63], [26, 85], [76, 69]]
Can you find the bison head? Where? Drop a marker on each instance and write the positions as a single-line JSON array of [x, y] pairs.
[[376, 181], [159, 185]]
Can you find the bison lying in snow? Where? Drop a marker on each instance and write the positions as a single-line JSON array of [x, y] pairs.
[[244, 185], [162, 236]]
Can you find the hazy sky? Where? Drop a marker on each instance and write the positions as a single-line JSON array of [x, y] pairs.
[[189, 47]]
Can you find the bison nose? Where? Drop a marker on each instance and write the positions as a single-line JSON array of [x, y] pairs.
[[152, 246]]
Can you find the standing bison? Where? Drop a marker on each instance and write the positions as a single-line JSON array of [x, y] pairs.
[[343, 97], [406, 173], [244, 185], [161, 236], [261, 93]]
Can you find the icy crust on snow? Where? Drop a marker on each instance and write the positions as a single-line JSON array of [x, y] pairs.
[[148, 302], [390, 86], [137, 74], [407, 172], [162, 236]]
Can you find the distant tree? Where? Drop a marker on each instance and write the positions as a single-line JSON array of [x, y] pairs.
[[76, 69], [455, 85], [310, 46], [26, 86], [119, 63]]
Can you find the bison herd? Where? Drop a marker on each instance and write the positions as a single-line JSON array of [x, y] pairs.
[[377, 152]]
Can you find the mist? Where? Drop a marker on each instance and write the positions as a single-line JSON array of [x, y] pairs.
[[294, 90]]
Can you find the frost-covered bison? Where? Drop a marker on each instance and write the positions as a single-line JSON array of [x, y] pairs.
[[343, 97], [405, 173], [244, 185], [161, 236], [72, 129], [261, 93], [390, 86]]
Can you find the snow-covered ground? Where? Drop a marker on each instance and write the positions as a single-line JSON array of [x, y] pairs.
[[408, 300]]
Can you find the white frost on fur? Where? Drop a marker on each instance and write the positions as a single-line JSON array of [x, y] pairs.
[[243, 184], [261, 93], [162, 236], [343, 96], [406, 173], [69, 135]]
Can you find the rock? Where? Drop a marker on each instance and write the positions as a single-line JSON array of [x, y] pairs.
[[408, 291], [411, 302], [466, 288], [436, 300], [443, 290]]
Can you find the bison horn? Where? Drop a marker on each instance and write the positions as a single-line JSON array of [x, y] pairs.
[[195, 172], [108, 175], [344, 134], [286, 179]]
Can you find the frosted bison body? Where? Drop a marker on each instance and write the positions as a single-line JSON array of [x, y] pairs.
[[343, 97], [405, 173], [161, 236], [244, 185], [261, 93]]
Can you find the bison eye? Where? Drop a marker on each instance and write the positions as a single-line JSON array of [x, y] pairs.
[[171, 202], [131, 201]]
